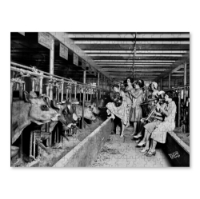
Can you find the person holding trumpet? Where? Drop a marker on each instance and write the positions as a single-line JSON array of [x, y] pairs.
[[154, 118]]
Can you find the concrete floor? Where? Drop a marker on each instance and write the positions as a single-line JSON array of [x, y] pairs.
[[120, 152]]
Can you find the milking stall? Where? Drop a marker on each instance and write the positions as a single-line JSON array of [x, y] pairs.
[[100, 99]]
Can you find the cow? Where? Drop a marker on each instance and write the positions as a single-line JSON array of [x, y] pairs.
[[67, 118], [93, 107], [31, 109], [89, 110], [88, 114]]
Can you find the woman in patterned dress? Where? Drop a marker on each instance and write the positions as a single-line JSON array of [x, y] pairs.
[[128, 87], [136, 110], [160, 133]]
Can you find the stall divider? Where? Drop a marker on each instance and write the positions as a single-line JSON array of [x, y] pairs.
[[83, 105]]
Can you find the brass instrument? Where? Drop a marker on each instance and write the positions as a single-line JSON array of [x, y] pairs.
[[147, 102], [153, 110]]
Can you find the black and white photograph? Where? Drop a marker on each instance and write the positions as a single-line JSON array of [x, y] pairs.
[[100, 99]]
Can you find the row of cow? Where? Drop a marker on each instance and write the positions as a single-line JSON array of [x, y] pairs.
[[40, 110]]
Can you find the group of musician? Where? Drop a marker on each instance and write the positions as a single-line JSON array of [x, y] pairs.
[[133, 100]]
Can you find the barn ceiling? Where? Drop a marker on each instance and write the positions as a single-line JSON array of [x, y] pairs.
[[144, 55], [117, 55]]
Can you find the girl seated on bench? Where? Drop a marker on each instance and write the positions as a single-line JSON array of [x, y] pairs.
[[160, 132]]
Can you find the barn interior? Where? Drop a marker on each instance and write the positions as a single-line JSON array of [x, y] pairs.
[[105, 58]]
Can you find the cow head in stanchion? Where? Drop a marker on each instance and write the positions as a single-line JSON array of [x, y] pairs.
[[88, 114], [67, 112], [93, 107], [31, 109], [41, 112]]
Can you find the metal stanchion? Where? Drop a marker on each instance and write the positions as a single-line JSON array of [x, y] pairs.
[[67, 93], [47, 125], [31, 143], [41, 85], [62, 90], [179, 108], [185, 82], [75, 90], [70, 93], [84, 81]]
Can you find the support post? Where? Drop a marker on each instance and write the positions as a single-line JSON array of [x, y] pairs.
[[51, 71], [62, 90], [51, 66], [11, 94], [70, 93], [21, 87], [11, 99], [169, 81], [47, 90], [21, 137], [57, 93], [99, 93], [84, 82], [87, 96], [34, 143], [98, 85], [179, 108], [41, 85], [47, 125], [31, 143], [33, 84], [185, 90], [67, 93], [75, 90], [185, 81]]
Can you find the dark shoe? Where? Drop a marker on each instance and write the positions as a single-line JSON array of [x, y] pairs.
[[113, 132]]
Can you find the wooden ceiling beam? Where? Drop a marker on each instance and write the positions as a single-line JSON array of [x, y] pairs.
[[140, 70], [136, 55], [130, 46], [131, 60], [129, 42], [134, 66], [124, 58], [177, 75], [63, 38], [176, 66], [129, 35], [137, 51]]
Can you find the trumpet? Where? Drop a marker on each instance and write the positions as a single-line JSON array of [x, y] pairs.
[[153, 111], [151, 100], [148, 101], [150, 115]]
